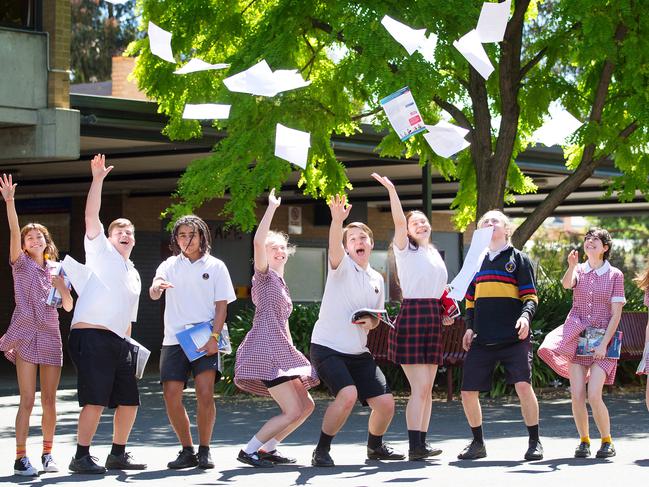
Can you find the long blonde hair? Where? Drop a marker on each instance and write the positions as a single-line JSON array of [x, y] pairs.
[[50, 252]]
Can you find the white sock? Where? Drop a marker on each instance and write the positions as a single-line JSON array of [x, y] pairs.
[[253, 445], [270, 445]]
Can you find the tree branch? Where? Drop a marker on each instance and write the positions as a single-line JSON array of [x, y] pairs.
[[532, 62], [454, 112], [360, 116]]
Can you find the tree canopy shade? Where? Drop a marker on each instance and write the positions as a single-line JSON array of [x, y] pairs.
[[591, 55]]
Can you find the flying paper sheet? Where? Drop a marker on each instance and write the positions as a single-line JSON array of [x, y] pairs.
[[402, 112], [446, 139], [117, 2], [493, 21], [412, 40], [470, 47], [262, 81], [472, 262], [206, 111], [160, 43], [78, 274], [199, 65], [558, 126], [292, 145]]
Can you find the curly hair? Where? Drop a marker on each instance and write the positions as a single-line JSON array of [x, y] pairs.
[[199, 226], [50, 252]]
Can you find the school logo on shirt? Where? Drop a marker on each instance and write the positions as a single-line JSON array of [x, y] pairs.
[[510, 266], [376, 289], [206, 276]]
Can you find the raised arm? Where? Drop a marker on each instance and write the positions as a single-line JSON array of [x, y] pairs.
[[8, 189], [339, 212], [93, 202], [259, 242], [570, 278], [400, 224]]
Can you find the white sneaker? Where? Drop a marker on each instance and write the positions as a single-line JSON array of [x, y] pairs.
[[23, 467], [49, 465]]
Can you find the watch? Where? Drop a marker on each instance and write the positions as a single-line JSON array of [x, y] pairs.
[[215, 335]]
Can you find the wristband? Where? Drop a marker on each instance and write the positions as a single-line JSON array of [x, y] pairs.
[[216, 336]]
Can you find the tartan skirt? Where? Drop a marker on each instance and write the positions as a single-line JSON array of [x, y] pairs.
[[417, 336]]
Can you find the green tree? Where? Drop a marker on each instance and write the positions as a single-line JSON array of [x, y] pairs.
[[592, 55]]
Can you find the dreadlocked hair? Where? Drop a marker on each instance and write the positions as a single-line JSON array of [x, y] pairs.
[[199, 226]]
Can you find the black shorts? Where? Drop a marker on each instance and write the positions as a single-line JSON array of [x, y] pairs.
[[338, 370], [174, 364], [279, 380], [105, 369], [481, 360]]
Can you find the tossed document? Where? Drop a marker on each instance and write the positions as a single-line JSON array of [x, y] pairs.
[[558, 125], [199, 65], [411, 39], [493, 21], [77, 273], [260, 80], [471, 48], [206, 111], [139, 355], [472, 262], [292, 145], [160, 43], [403, 114], [446, 139]]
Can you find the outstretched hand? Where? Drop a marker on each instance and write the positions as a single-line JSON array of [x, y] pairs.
[[7, 187], [389, 185], [98, 167], [339, 208], [273, 200], [573, 258]]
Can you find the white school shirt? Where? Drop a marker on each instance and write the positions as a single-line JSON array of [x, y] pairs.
[[110, 298], [348, 288], [197, 286], [422, 272]]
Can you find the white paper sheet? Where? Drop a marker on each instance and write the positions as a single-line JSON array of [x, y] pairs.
[[558, 125], [411, 39], [78, 274], [206, 111], [160, 43], [493, 21], [472, 262], [117, 2], [196, 64], [470, 47], [446, 139], [260, 80], [292, 145], [403, 114]]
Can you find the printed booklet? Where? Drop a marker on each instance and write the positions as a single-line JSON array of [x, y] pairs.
[[592, 337], [381, 314], [195, 336]]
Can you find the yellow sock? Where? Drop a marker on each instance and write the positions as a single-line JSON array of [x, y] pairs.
[[607, 439], [47, 447], [21, 451], [585, 439]]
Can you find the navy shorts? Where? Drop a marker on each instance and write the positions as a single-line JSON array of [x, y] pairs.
[[481, 361], [175, 366], [338, 370], [105, 369]]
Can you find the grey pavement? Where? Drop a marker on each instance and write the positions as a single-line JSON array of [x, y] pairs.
[[238, 418]]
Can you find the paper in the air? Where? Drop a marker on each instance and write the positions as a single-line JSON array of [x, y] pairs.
[[292, 145], [160, 43], [470, 47], [446, 139], [117, 2], [196, 64], [262, 81], [558, 125], [411, 39], [493, 21], [472, 262], [402, 112], [206, 111]]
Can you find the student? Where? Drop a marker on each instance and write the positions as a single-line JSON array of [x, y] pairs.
[[338, 346], [198, 289], [597, 301], [268, 364], [102, 319], [416, 343], [500, 305], [33, 340], [642, 280]]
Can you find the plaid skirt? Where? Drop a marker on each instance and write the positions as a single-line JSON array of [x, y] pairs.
[[417, 336]]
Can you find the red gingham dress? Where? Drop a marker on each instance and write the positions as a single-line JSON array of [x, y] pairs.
[[645, 370], [267, 353], [34, 332], [591, 306]]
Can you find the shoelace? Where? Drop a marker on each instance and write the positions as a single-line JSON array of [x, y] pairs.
[[26, 463]]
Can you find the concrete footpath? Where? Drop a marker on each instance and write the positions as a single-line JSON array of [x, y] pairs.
[[238, 418]]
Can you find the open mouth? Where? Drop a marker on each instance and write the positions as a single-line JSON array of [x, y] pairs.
[[360, 252]]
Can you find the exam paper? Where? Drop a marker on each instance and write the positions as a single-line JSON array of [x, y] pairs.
[[262, 81], [206, 111], [292, 145], [160, 43], [196, 64], [470, 47], [472, 262], [446, 139], [402, 112], [558, 125], [117, 2], [411, 39], [493, 21]]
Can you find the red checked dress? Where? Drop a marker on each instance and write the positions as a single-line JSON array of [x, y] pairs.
[[592, 300], [34, 332], [267, 353], [645, 368]]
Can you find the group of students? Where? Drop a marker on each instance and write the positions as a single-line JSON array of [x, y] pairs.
[[500, 306]]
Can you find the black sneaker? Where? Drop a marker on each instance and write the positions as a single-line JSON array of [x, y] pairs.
[[205, 459], [423, 451], [185, 459], [583, 450], [534, 451], [123, 461], [607, 450], [384, 452], [86, 464], [321, 458], [431, 451], [473, 451], [276, 457], [253, 459], [23, 467]]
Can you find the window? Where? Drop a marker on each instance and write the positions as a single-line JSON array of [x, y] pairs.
[[20, 14], [305, 273]]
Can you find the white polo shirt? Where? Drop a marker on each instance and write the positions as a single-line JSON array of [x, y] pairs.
[[422, 272], [197, 286], [110, 298], [348, 288]]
